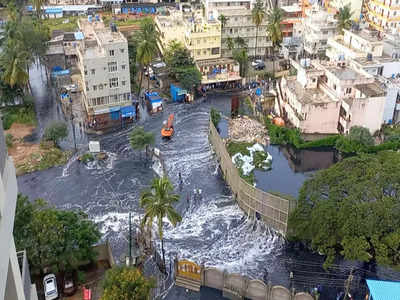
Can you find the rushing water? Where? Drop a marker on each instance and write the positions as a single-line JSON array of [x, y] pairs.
[[213, 230]]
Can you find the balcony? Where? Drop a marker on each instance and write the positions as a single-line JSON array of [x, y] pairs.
[[29, 288]]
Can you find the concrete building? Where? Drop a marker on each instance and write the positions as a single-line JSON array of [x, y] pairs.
[[104, 65], [331, 99], [355, 6], [15, 281], [292, 15], [318, 26], [383, 15]]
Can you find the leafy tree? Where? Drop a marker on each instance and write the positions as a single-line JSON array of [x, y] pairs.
[[357, 141], [132, 52], [223, 19], [230, 43], [215, 117], [344, 18], [140, 139], [274, 19], [55, 132], [126, 283], [189, 77], [258, 15], [352, 209], [240, 55], [53, 237], [158, 203], [240, 43], [362, 135], [177, 56]]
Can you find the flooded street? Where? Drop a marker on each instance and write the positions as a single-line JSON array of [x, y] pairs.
[[213, 229]]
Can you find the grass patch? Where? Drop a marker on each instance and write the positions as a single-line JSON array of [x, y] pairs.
[[19, 114], [9, 140], [238, 147], [107, 19], [65, 24], [43, 160], [87, 157]]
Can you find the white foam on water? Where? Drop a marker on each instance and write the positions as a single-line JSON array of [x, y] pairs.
[[68, 165]]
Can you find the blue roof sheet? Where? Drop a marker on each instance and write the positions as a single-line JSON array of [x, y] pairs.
[[79, 35], [384, 290]]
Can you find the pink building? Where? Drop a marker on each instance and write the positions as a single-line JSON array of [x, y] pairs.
[[326, 98]]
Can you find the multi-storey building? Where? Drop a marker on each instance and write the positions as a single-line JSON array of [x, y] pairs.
[[291, 17], [104, 65], [384, 15], [15, 281], [330, 99], [318, 26], [365, 51]]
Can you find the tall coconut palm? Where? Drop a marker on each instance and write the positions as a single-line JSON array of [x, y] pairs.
[[158, 203], [37, 4], [274, 19], [223, 19], [258, 15], [344, 18], [240, 43], [230, 43], [13, 62], [240, 55]]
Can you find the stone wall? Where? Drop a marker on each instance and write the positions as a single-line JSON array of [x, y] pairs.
[[273, 210]]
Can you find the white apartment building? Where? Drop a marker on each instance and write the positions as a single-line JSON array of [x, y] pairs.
[[318, 26], [366, 52], [15, 281], [325, 98], [104, 64], [239, 24]]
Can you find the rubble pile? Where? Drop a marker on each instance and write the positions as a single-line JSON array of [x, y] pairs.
[[244, 129]]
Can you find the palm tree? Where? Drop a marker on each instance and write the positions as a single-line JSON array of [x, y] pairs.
[[240, 42], [158, 203], [230, 43], [14, 62], [258, 15], [274, 19], [147, 48], [37, 4], [240, 55], [344, 18], [223, 19]]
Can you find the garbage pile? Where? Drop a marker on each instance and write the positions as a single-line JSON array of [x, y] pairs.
[[244, 129]]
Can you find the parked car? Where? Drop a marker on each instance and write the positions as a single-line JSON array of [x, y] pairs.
[[50, 287], [256, 62], [260, 66], [150, 71]]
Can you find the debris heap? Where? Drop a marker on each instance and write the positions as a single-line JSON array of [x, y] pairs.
[[244, 129]]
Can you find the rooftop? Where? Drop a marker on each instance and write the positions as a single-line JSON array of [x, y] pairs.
[[97, 28], [371, 89], [291, 8], [55, 49], [344, 73], [366, 34], [307, 96]]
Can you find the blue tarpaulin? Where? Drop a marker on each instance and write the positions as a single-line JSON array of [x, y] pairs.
[[124, 10], [383, 290], [176, 93], [258, 92], [60, 73], [128, 111], [79, 35], [114, 112], [53, 10]]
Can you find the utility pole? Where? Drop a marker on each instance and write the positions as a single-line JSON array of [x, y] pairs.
[[130, 240], [72, 123], [348, 285]]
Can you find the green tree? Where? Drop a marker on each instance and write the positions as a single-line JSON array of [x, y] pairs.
[[132, 52], [258, 15], [240, 55], [55, 132], [53, 238], [158, 203], [223, 19], [140, 139], [177, 56], [189, 77], [147, 47], [274, 19], [215, 117], [230, 43], [13, 62], [240, 43], [358, 140], [352, 209], [126, 283], [344, 18]]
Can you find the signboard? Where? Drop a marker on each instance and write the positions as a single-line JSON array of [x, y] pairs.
[[94, 146]]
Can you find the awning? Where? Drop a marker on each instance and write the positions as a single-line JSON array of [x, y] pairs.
[[384, 290], [115, 108], [128, 111], [101, 111], [55, 10]]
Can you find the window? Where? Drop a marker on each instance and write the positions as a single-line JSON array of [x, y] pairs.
[[123, 82], [87, 86], [348, 90], [113, 83], [198, 41], [100, 86], [94, 88], [92, 71], [122, 50], [123, 67], [334, 87], [230, 31], [111, 52], [112, 66], [198, 52]]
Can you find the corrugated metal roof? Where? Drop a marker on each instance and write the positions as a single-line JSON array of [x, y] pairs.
[[384, 290]]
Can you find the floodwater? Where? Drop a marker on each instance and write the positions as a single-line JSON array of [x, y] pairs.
[[213, 231]]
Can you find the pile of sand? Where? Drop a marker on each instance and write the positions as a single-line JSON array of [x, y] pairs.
[[244, 129]]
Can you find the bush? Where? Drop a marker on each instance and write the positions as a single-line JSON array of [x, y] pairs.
[[55, 132], [19, 114], [85, 158], [238, 147], [9, 140], [215, 117]]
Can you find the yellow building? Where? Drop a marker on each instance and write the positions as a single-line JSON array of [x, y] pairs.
[[203, 39], [384, 15]]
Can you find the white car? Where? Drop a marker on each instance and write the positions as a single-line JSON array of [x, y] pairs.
[[256, 62], [50, 287]]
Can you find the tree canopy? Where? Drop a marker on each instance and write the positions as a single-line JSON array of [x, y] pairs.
[[55, 132], [176, 57], [358, 139], [52, 237], [344, 18], [352, 209], [126, 283], [140, 139]]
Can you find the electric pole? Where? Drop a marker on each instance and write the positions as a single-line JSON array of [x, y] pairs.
[[130, 240], [348, 285], [72, 123]]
